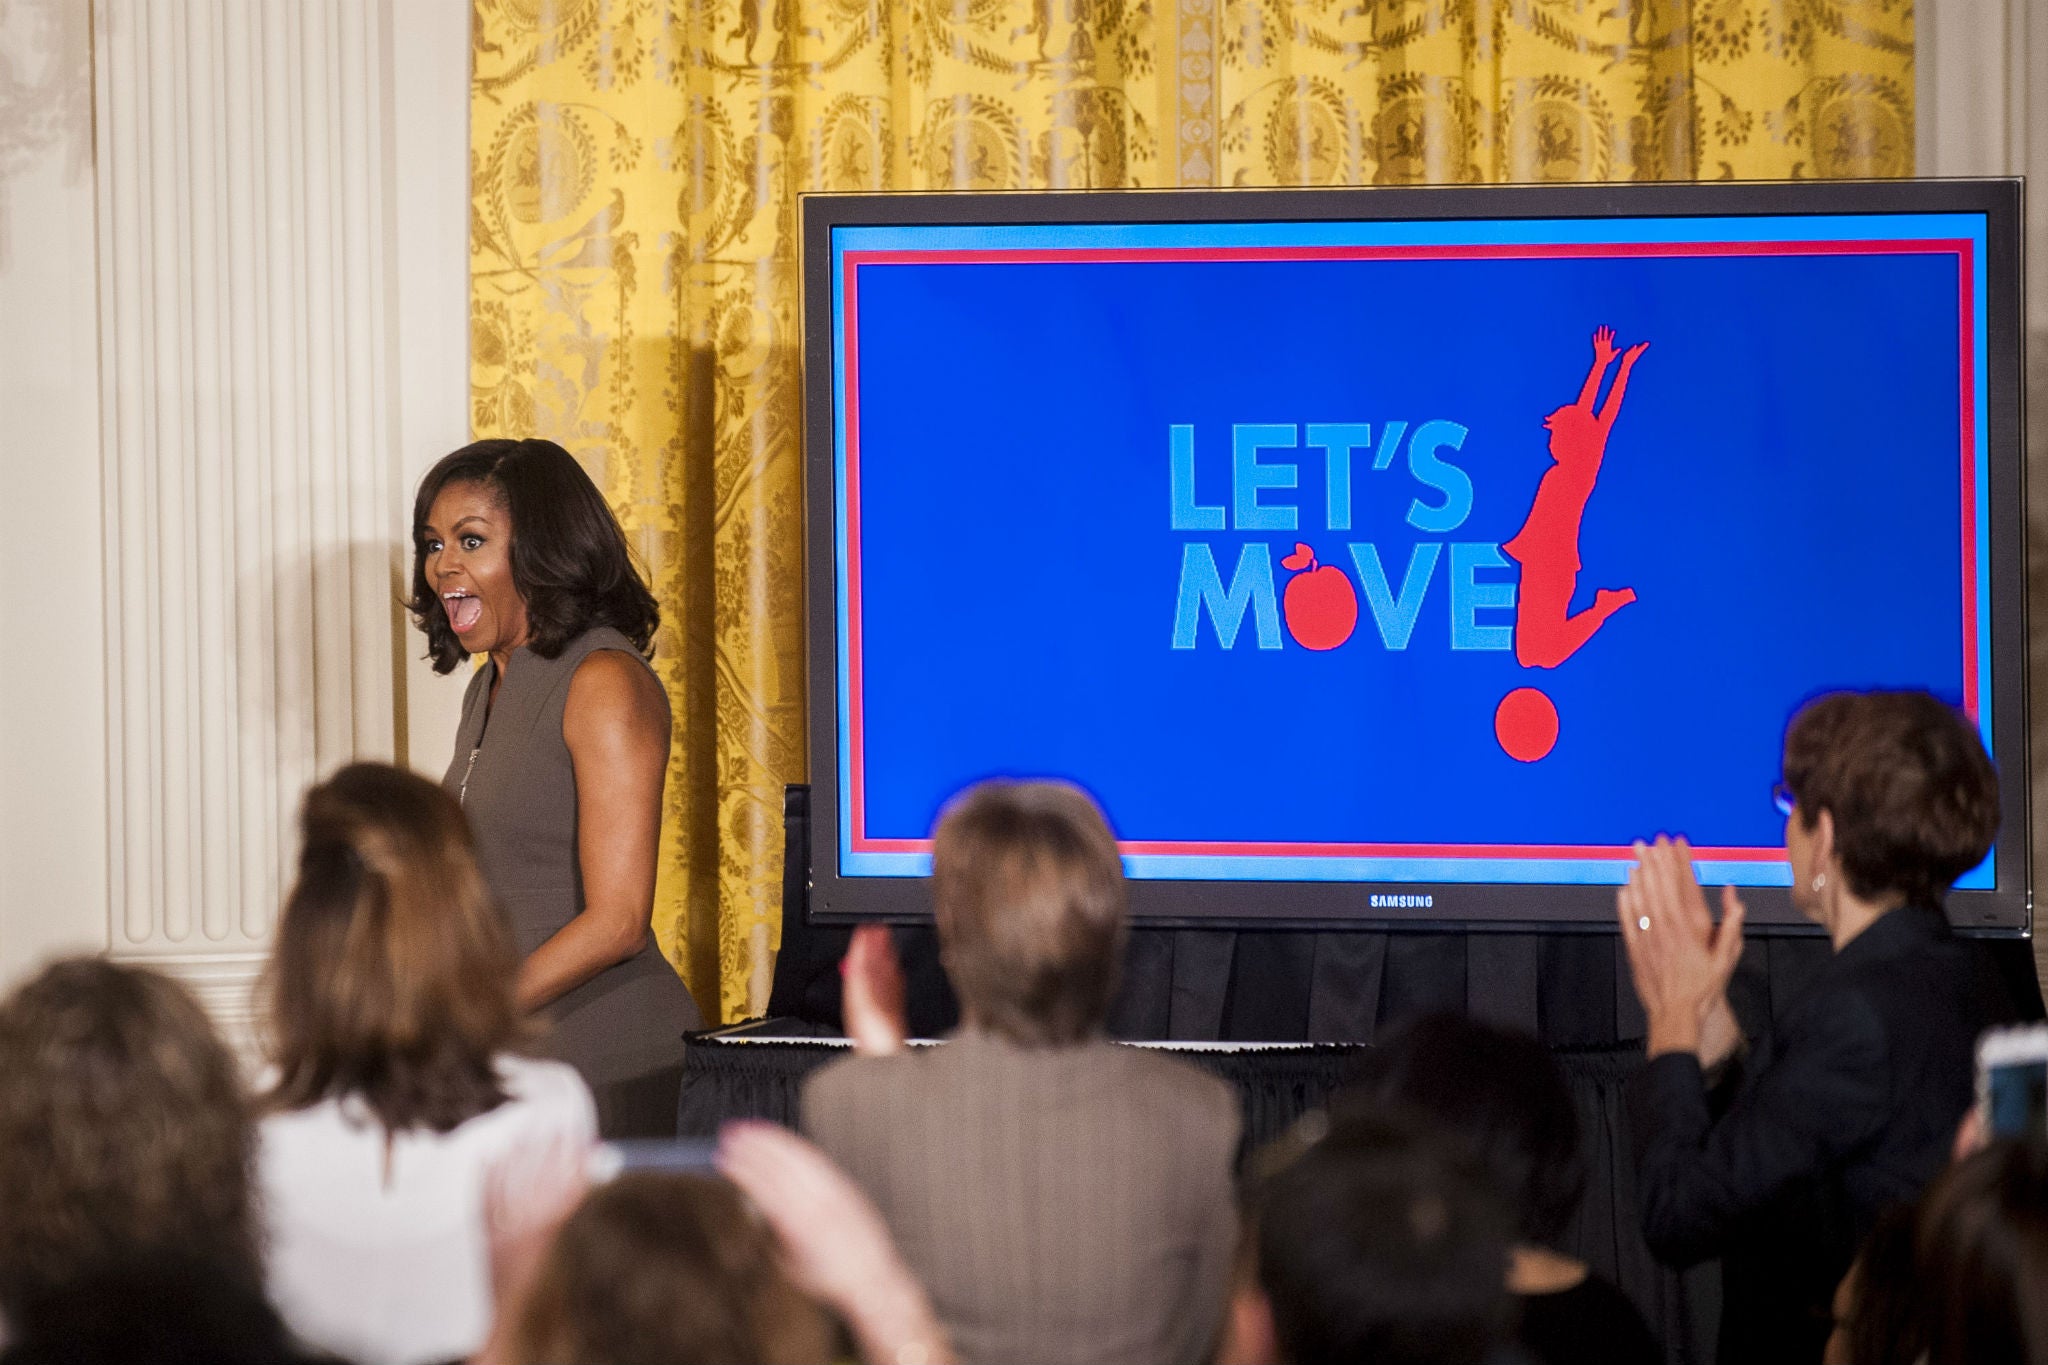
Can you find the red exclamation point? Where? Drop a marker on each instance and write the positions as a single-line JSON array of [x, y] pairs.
[[1525, 723], [1547, 548]]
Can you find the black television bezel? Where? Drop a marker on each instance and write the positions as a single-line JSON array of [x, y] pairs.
[[2005, 910]]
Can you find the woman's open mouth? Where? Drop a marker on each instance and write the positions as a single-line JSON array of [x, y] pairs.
[[463, 611]]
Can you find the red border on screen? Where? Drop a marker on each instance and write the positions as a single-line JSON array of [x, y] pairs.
[[852, 261]]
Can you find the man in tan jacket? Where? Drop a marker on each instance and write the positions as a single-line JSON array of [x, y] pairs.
[[1062, 1197]]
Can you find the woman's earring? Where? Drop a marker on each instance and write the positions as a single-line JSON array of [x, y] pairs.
[[1820, 879]]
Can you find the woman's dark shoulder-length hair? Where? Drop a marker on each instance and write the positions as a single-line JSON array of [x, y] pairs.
[[570, 562]]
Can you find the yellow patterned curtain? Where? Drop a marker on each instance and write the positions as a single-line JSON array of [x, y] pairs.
[[634, 270]]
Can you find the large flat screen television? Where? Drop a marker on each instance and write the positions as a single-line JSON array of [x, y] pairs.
[[1397, 557]]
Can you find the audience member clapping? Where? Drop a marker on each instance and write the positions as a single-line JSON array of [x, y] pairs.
[[416, 1189], [127, 1231], [1377, 1244], [1500, 1096], [397, 1086], [1779, 1161], [1060, 1197]]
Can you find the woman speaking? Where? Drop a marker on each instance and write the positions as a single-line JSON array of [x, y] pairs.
[[561, 754]]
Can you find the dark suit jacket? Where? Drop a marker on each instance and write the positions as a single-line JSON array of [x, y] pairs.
[[1059, 1204], [1850, 1105]]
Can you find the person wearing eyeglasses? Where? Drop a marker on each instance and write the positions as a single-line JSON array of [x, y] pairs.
[[1778, 1156]]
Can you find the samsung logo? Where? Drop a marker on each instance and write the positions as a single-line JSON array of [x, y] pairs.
[[1403, 902]]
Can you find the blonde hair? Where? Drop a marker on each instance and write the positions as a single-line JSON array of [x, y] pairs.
[[1029, 895], [392, 978]]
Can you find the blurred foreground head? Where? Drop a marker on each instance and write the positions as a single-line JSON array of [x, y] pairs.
[[392, 977], [124, 1137], [1376, 1245], [1028, 892], [1981, 1248], [1498, 1093], [668, 1270]]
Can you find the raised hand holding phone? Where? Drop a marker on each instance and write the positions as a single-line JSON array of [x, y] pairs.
[[2012, 1083]]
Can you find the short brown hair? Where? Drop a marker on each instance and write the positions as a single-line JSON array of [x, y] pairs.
[[1913, 794], [392, 978], [667, 1270], [1029, 895], [124, 1132]]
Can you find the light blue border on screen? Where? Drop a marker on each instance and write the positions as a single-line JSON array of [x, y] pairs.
[[1575, 231]]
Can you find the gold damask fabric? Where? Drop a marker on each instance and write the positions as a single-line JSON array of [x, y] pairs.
[[634, 259]]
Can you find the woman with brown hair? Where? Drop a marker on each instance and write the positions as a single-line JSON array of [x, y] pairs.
[[664, 1268], [1779, 1160], [127, 1225], [396, 1086], [667, 1270], [561, 755]]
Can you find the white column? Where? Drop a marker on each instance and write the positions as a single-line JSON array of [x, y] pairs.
[[253, 530]]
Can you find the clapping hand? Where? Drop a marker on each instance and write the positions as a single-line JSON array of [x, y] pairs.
[[871, 1002], [834, 1244], [528, 1193], [1680, 958]]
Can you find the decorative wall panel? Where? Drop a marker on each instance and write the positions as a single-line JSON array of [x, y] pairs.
[[253, 524]]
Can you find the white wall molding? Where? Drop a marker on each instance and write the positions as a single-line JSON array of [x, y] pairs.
[[1970, 101], [1982, 109], [225, 984], [430, 102], [248, 453], [53, 808]]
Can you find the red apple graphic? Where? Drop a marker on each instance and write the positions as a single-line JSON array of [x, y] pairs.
[[1320, 606]]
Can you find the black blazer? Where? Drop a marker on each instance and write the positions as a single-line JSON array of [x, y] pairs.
[[1848, 1106]]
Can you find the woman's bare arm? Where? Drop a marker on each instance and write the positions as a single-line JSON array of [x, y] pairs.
[[616, 727]]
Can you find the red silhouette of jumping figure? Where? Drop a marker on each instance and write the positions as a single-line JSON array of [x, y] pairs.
[[1547, 546]]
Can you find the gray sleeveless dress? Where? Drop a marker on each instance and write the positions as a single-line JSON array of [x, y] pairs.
[[623, 1028]]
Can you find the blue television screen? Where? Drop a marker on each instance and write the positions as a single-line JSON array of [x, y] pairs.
[[1385, 565]]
